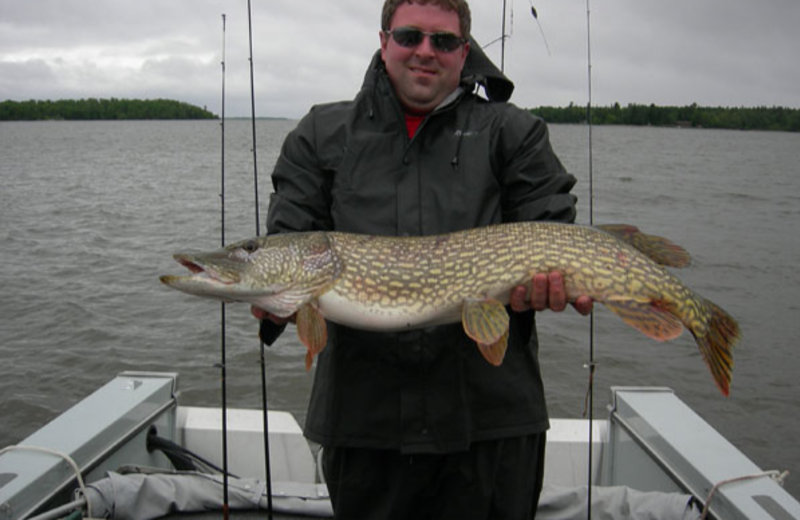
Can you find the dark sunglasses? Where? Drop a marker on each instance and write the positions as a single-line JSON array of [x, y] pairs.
[[441, 41]]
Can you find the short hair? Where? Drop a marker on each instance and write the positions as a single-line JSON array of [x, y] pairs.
[[460, 7]]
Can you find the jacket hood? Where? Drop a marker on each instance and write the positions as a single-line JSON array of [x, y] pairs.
[[478, 70]]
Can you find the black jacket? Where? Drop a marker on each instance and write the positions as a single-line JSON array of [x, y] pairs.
[[350, 166]]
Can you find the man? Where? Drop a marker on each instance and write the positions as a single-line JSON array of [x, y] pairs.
[[417, 424]]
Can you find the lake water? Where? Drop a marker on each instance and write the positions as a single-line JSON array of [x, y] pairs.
[[90, 213]]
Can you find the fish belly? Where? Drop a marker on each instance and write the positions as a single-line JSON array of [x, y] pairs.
[[344, 310]]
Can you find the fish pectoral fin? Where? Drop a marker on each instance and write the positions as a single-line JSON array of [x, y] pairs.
[[486, 322], [651, 320], [658, 249], [312, 330]]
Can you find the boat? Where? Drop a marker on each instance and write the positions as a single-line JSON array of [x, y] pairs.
[[131, 450]]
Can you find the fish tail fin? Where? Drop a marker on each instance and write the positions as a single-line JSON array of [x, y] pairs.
[[714, 330], [716, 339]]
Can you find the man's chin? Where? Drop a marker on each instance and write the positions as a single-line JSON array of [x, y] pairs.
[[419, 107], [421, 100]]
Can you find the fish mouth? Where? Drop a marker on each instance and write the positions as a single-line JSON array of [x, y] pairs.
[[190, 265], [200, 273]]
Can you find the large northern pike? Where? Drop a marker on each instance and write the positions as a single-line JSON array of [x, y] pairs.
[[397, 283]]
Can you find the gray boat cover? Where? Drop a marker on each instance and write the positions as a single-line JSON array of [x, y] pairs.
[[614, 503], [141, 496]]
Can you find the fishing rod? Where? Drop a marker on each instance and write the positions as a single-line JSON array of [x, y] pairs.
[[223, 371], [262, 346], [503, 41], [504, 36], [592, 364], [253, 118], [541, 29]]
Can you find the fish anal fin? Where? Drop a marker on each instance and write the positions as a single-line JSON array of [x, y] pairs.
[[312, 330], [495, 352], [648, 318], [658, 249]]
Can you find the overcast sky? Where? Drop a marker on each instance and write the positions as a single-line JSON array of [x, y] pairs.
[[677, 52]]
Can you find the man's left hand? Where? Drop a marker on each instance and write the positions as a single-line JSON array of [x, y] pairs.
[[547, 292]]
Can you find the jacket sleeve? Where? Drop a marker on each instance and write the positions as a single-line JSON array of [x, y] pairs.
[[535, 184], [301, 197]]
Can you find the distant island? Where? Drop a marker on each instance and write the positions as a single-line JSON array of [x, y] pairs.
[[100, 109], [691, 116]]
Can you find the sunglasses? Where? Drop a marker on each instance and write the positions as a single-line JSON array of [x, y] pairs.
[[411, 37]]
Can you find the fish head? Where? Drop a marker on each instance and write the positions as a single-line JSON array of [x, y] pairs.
[[278, 273]]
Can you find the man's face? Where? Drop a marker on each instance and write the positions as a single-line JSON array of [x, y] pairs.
[[423, 76]]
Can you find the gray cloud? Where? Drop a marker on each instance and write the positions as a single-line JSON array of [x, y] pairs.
[[714, 52]]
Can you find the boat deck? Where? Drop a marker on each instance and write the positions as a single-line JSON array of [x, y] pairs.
[[652, 442]]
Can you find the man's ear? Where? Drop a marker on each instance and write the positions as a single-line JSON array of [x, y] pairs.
[[384, 42]]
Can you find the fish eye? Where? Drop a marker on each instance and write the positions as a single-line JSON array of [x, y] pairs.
[[251, 246]]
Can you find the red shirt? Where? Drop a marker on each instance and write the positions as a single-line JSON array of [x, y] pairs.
[[412, 123]]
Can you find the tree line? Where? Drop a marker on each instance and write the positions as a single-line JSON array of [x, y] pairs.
[[94, 109], [733, 118]]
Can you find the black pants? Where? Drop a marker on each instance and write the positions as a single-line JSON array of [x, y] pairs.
[[495, 480]]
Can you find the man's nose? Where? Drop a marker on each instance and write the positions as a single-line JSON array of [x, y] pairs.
[[425, 47]]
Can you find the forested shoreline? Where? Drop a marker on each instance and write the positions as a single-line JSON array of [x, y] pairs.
[[100, 109], [693, 116]]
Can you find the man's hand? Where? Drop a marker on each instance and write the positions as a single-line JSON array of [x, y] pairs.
[[548, 292]]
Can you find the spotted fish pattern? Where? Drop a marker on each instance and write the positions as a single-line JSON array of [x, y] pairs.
[[397, 283]]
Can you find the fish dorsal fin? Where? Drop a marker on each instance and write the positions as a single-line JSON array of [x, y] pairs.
[[644, 316], [658, 249], [312, 330], [486, 322]]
